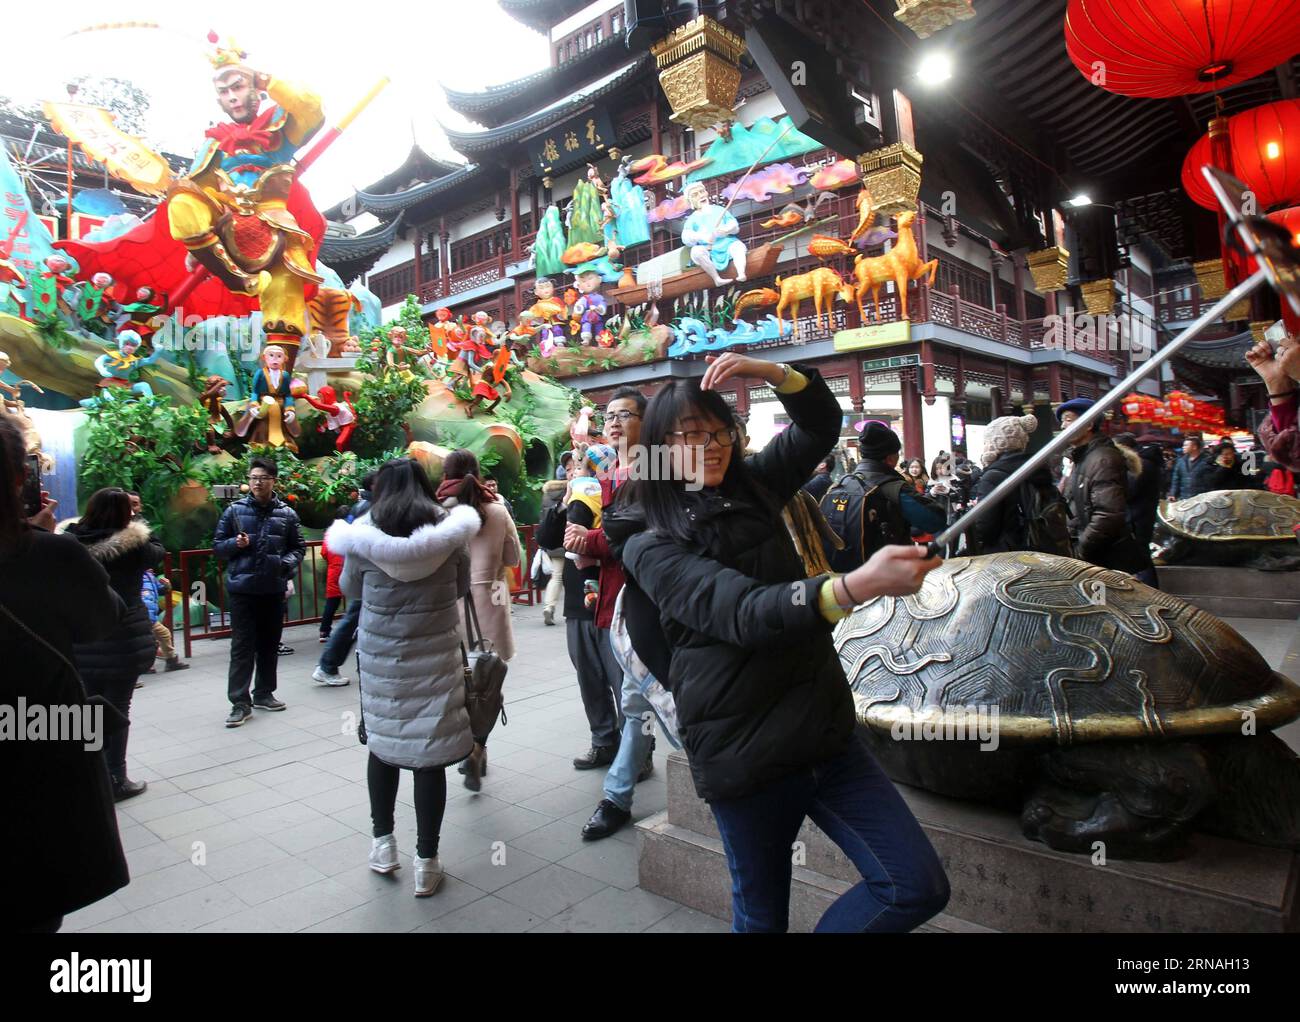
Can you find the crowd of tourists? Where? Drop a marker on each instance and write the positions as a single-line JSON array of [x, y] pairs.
[[702, 601]]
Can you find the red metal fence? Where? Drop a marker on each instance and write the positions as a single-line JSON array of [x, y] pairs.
[[202, 581]]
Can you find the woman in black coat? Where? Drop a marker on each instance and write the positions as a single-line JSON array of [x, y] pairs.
[[63, 850], [110, 667], [765, 711]]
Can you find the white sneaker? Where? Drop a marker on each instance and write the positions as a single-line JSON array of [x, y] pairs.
[[383, 854], [334, 680], [428, 875]]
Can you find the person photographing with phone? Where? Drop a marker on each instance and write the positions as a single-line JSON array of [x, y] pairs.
[[764, 709], [1276, 360]]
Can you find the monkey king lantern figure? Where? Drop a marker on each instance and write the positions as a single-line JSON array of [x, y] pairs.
[[231, 211]]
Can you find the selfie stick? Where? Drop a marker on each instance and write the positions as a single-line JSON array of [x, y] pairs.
[[1277, 267]]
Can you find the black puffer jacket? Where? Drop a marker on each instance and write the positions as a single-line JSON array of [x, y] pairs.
[[759, 687], [1144, 492], [1005, 528], [274, 550], [1097, 492], [126, 555]]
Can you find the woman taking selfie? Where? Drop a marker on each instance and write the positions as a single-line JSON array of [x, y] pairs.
[[766, 715]]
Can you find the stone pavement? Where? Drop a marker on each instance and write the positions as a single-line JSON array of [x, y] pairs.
[[282, 814], [266, 828]]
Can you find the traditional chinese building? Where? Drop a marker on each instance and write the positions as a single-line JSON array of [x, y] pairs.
[[1001, 149]]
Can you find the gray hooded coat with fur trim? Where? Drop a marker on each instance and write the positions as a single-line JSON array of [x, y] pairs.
[[409, 635]]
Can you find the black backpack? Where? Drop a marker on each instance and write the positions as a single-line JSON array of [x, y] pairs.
[[866, 515], [1046, 518]]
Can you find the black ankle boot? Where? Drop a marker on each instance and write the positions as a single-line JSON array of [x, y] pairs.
[[124, 788]]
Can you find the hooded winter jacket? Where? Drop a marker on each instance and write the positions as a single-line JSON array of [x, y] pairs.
[[1097, 492], [274, 550], [1005, 529], [409, 635], [759, 689], [125, 555]]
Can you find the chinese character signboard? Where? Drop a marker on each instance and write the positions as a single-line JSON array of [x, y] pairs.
[[582, 139]]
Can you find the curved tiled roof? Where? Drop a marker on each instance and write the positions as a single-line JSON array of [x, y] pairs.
[[499, 103], [474, 142], [344, 250], [541, 14], [1224, 353], [397, 201]]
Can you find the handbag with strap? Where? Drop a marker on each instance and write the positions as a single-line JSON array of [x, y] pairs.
[[485, 675]]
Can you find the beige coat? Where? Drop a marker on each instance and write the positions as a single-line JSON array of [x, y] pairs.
[[491, 552]]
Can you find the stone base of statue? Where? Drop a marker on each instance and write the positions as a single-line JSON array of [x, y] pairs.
[[1235, 592], [1000, 880]]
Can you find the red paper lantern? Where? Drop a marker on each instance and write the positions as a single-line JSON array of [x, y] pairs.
[[1290, 219], [1178, 47], [1265, 143]]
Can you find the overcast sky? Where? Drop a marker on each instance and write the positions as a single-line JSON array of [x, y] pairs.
[[339, 49]]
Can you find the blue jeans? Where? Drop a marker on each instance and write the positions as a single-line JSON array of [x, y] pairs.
[[632, 750], [341, 638], [856, 805]]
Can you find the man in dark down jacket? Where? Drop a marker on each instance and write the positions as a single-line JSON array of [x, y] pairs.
[[1097, 492], [1145, 461], [258, 538]]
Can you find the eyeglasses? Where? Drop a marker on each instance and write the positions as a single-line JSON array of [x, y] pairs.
[[261, 479], [702, 437], [621, 416]]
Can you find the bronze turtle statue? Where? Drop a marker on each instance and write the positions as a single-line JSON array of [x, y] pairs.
[[1254, 528], [1104, 710]]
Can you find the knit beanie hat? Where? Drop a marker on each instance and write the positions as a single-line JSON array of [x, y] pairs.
[[1008, 433], [877, 441]]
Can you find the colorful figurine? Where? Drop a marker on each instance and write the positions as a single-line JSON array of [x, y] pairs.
[[490, 383], [121, 367], [96, 304], [221, 427], [231, 210], [46, 292], [589, 309], [711, 233], [547, 312], [13, 403], [270, 415], [141, 314], [400, 352], [12, 281], [340, 415]]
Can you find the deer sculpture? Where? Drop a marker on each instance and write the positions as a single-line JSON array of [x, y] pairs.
[[900, 264], [823, 285]]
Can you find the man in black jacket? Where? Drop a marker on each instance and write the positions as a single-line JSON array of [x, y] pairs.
[[1143, 486], [898, 509], [817, 486], [258, 537], [1097, 492]]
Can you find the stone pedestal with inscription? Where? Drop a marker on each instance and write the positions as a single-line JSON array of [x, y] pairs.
[[1000, 879]]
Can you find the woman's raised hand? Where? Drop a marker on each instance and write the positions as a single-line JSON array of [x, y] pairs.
[[731, 365]]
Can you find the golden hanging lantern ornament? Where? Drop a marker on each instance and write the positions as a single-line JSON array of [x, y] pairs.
[[1209, 275], [926, 17], [892, 174], [1099, 296], [1050, 268], [699, 70]]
